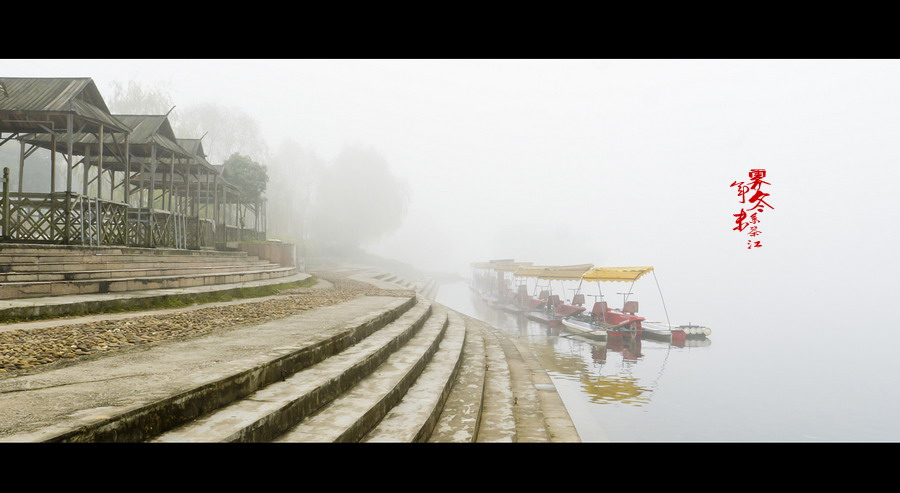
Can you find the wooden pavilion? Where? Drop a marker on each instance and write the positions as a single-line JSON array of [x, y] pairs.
[[141, 185]]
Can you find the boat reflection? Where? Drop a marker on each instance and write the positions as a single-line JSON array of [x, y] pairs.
[[615, 389]]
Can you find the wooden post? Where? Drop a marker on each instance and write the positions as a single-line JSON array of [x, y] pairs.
[[70, 131], [126, 193], [99, 212], [171, 183], [84, 192], [197, 210], [6, 203], [216, 204], [173, 216], [21, 165], [53, 163], [100, 167]]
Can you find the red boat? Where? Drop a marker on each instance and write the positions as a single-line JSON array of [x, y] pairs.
[[603, 322]]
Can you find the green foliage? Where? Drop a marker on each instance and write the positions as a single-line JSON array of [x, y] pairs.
[[248, 175]]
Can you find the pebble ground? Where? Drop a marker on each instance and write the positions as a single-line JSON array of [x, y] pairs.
[[28, 350]]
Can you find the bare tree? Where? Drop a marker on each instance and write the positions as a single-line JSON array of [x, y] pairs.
[[134, 99]]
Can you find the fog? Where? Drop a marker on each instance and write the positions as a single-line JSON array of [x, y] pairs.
[[610, 162]]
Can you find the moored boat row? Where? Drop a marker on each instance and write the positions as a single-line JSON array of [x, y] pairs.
[[503, 284]]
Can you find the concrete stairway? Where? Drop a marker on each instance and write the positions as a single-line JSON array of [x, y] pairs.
[[425, 287], [375, 369], [30, 271]]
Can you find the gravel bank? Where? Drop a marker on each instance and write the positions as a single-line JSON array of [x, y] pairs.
[[26, 351]]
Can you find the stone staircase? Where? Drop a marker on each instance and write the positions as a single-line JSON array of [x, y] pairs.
[[424, 287], [374, 369], [32, 271]]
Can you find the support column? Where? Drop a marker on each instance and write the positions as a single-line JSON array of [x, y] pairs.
[[70, 131], [21, 165], [99, 207], [127, 183], [85, 168], [53, 165], [126, 193], [150, 198], [100, 168]]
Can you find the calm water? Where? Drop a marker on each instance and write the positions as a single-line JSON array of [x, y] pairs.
[[753, 382]]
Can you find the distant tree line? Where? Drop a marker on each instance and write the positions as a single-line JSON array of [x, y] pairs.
[[334, 206]]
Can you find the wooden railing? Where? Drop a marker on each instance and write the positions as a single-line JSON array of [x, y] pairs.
[[69, 218], [62, 218], [40, 217]]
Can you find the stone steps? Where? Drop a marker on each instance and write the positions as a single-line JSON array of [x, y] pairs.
[[37, 271], [27, 309], [498, 422], [132, 271], [269, 412], [135, 397], [411, 370], [414, 418], [138, 263], [19, 290], [352, 415], [87, 257], [461, 415], [12, 249]]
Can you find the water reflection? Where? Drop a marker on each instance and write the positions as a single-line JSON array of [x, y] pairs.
[[608, 389]]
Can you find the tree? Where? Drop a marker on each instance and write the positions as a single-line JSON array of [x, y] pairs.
[[225, 129], [358, 200], [247, 175], [228, 130], [293, 171], [135, 99]]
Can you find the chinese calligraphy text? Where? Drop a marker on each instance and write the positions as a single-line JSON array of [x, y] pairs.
[[754, 202]]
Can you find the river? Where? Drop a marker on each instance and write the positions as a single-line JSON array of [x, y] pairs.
[[750, 383]]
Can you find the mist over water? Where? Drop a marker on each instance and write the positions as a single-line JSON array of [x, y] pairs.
[[629, 162]]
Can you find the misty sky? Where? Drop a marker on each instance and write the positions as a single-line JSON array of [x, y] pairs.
[[610, 162]]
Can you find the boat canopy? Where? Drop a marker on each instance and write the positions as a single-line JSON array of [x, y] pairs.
[[530, 271], [482, 265], [509, 266], [623, 274], [555, 272], [504, 265]]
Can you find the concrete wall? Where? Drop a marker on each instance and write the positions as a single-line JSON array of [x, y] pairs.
[[279, 253]]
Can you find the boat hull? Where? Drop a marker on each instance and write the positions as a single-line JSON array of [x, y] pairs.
[[544, 318], [585, 329], [678, 336]]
